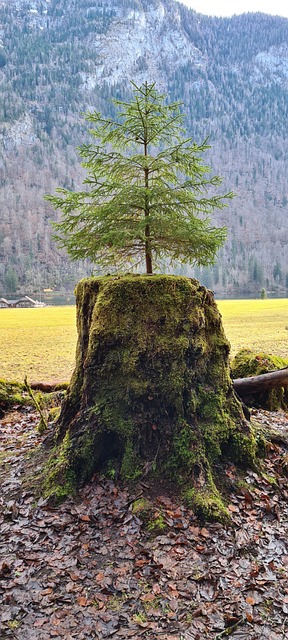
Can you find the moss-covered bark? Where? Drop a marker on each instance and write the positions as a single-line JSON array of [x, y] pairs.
[[151, 391]]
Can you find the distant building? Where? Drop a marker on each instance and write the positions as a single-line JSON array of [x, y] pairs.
[[20, 303]]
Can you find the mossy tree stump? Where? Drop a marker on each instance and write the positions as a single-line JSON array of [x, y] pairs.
[[151, 392]]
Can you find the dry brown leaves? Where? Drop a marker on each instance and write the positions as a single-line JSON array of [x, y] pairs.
[[88, 569]]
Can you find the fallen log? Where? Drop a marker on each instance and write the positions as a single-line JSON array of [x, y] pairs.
[[48, 387], [263, 382]]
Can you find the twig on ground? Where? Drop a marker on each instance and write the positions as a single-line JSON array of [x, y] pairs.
[[227, 632], [43, 424]]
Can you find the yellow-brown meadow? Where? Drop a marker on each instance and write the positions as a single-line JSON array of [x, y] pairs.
[[40, 343]]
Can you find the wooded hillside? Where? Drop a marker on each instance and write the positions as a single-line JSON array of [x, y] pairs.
[[62, 58]]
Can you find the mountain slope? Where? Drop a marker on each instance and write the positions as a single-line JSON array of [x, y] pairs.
[[59, 59]]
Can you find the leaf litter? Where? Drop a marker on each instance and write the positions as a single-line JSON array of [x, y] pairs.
[[89, 569]]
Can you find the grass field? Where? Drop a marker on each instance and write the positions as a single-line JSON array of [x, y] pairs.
[[260, 325], [40, 343]]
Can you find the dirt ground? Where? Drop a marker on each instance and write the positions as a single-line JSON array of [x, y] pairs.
[[90, 569]]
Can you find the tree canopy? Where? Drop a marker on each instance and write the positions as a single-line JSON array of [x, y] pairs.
[[146, 197]]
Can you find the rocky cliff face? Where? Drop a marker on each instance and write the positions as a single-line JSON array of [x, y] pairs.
[[140, 42], [59, 58]]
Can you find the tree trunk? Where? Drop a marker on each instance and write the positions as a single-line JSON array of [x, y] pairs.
[[148, 257], [151, 393]]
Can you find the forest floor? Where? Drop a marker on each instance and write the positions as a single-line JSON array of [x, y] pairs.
[[89, 569]]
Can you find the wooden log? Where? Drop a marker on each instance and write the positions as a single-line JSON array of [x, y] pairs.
[[256, 384], [47, 387]]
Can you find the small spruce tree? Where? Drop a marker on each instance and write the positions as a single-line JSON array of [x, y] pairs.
[[263, 293], [146, 197]]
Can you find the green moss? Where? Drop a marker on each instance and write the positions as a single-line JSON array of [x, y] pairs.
[[207, 506], [53, 399], [196, 477], [131, 467], [110, 415], [152, 518], [242, 448], [183, 452], [59, 478], [205, 498], [247, 363], [54, 414], [216, 421], [157, 524], [90, 450], [11, 393], [14, 624], [140, 618], [115, 603], [261, 442], [270, 479], [142, 507]]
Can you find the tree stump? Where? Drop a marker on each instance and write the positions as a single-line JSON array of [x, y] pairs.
[[151, 393]]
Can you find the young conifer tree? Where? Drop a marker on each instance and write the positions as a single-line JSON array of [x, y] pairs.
[[146, 197]]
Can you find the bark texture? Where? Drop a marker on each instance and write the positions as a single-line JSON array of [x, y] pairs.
[[273, 380], [151, 392]]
